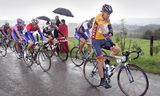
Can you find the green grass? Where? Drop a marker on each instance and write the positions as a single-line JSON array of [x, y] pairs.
[[149, 63]]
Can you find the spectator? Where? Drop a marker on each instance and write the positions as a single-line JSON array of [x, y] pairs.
[[57, 23], [63, 28]]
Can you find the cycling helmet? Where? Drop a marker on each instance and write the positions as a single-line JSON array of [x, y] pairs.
[[107, 8], [19, 21], [91, 20], [6, 23], [34, 21]]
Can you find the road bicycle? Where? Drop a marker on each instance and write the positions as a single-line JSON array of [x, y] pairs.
[[132, 80], [38, 54]]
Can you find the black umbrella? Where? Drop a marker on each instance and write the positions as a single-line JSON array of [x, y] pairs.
[[63, 11], [44, 18]]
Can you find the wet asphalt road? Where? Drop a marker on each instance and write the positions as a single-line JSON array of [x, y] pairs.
[[63, 79]]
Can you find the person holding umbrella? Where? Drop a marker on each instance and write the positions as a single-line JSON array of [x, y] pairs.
[[57, 23]]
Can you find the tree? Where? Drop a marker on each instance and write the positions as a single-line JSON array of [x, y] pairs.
[[147, 34]]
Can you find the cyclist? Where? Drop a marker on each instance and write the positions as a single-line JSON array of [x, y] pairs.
[[99, 35], [82, 33], [31, 28], [17, 34], [6, 30], [48, 31]]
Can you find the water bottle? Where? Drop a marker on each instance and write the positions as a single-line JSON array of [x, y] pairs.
[[112, 68], [108, 70]]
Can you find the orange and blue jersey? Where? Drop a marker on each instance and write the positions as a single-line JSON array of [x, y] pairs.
[[96, 31], [98, 38]]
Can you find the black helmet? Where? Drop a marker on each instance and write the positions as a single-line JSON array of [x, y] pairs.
[[107, 8], [34, 21], [91, 20]]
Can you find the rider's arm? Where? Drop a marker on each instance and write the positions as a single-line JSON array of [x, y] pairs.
[[110, 28], [40, 33], [3, 31], [88, 32], [17, 32]]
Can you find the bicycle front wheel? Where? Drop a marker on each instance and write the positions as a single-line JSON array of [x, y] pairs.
[[44, 61], [3, 49], [78, 61], [90, 71], [132, 80]]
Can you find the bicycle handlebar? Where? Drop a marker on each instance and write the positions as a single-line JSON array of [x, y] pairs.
[[127, 53]]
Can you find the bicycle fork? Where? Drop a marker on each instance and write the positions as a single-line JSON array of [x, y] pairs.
[[129, 74]]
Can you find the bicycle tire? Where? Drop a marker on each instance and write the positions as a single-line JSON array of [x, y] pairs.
[[134, 69], [28, 58], [62, 53], [91, 77], [74, 58], [3, 49], [48, 50], [45, 61]]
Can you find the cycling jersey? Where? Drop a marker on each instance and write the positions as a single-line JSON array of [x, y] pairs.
[[96, 31], [30, 30], [19, 29], [98, 39], [6, 30], [83, 31]]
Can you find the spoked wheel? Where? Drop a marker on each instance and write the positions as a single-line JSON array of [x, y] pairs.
[[48, 50], [77, 60], [132, 80], [90, 71], [28, 59], [62, 53], [44, 61], [3, 49]]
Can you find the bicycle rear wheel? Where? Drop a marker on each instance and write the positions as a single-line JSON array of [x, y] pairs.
[[90, 71], [78, 61], [62, 53], [45, 61], [137, 86], [3, 49]]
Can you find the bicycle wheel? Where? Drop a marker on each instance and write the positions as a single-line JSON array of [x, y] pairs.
[[139, 84], [48, 50], [90, 71], [45, 62], [62, 53], [3, 49], [78, 61], [28, 59]]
